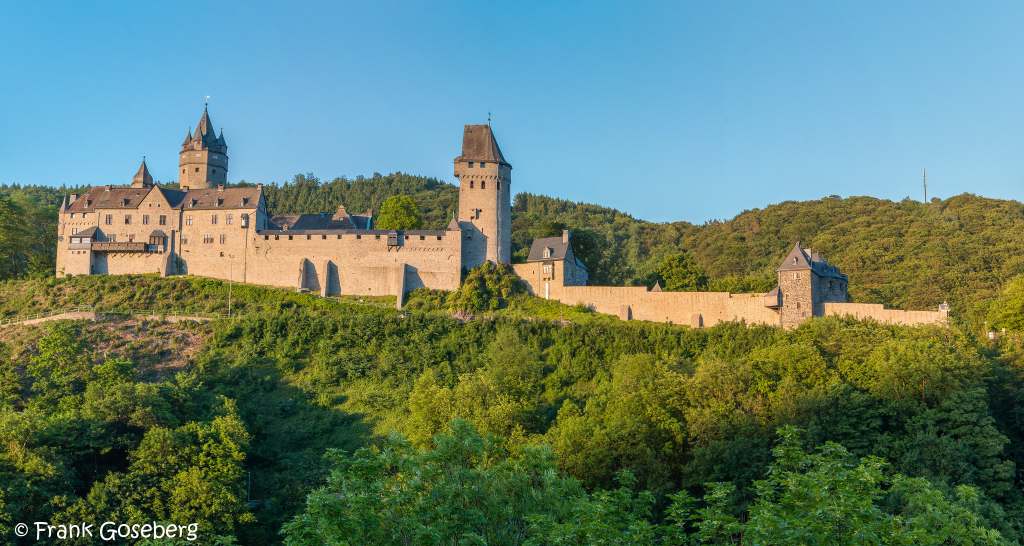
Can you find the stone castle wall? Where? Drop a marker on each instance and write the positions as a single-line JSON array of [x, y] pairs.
[[695, 309], [875, 311]]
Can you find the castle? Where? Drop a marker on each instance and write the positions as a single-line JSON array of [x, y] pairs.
[[208, 229]]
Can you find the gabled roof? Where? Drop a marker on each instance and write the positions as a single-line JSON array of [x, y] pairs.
[[320, 222], [109, 197], [555, 249], [478, 144], [802, 259]]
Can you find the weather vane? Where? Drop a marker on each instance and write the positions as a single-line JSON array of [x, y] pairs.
[[488, 118], [206, 100]]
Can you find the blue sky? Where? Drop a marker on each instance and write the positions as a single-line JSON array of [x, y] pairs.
[[668, 111]]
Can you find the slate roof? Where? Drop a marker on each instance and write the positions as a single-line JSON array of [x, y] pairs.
[[801, 259], [478, 144], [558, 249], [205, 138], [317, 222]]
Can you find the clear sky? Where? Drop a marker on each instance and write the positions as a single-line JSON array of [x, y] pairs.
[[668, 111]]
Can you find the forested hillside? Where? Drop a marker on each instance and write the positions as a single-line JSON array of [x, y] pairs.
[[338, 421], [904, 254]]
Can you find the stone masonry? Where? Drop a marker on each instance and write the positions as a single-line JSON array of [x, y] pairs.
[[206, 228]]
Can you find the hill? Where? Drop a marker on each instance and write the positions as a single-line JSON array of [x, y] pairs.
[[341, 419]]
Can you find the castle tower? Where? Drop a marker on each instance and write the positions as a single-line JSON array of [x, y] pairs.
[[485, 206], [203, 161], [807, 282]]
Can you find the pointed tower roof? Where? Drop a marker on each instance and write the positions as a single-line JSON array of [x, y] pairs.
[[64, 203], [656, 287], [478, 144], [205, 126], [188, 137], [454, 225], [142, 177], [796, 260]]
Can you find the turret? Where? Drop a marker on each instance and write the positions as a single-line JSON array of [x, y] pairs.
[[203, 161], [142, 177], [485, 207]]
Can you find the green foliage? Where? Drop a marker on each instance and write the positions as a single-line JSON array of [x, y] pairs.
[[679, 272], [486, 287], [639, 416], [399, 212]]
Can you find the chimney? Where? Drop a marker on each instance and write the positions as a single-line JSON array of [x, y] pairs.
[[74, 197], [220, 187], [565, 236]]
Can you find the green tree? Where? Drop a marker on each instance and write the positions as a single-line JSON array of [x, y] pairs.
[[679, 272], [399, 212]]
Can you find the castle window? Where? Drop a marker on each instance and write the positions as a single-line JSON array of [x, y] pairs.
[[145, 219], [290, 237], [339, 236], [183, 171], [498, 185], [277, 237], [470, 164], [482, 164], [229, 219], [208, 239], [213, 219], [220, 202], [127, 219], [188, 220], [423, 237], [108, 219], [223, 238], [438, 237], [323, 237], [197, 169], [376, 237], [359, 236], [549, 272], [471, 184], [112, 238], [483, 185], [309, 237], [547, 252], [131, 237]]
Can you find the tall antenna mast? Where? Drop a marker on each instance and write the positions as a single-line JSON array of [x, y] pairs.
[[924, 180]]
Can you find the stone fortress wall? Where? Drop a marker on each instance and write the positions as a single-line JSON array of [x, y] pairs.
[[208, 229]]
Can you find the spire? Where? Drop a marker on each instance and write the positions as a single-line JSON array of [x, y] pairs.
[[64, 203], [478, 144], [142, 178], [188, 137]]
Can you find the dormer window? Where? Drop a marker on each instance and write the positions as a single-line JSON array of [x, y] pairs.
[[88, 202], [124, 202], [245, 201], [193, 202], [220, 202], [547, 252]]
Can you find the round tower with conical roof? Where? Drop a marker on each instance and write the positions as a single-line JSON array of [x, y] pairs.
[[203, 161]]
